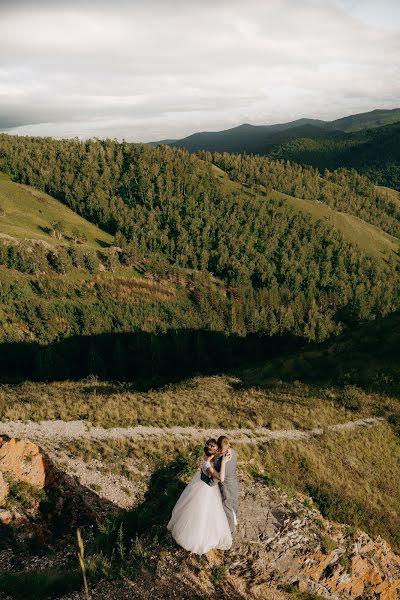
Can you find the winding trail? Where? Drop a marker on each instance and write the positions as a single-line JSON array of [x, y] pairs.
[[53, 431]]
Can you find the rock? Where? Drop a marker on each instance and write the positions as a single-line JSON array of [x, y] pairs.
[[6, 516], [280, 541], [23, 461], [3, 489]]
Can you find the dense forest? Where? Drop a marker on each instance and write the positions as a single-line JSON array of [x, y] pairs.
[[343, 190], [280, 271], [372, 152]]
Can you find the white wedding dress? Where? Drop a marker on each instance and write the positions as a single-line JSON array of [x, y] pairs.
[[198, 522]]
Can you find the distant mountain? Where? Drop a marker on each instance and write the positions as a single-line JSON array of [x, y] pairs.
[[244, 138], [368, 142], [368, 120], [260, 138]]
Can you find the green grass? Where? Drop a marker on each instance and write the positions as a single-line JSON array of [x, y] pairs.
[[372, 240], [26, 212]]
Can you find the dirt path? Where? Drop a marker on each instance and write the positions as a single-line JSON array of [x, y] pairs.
[[53, 431]]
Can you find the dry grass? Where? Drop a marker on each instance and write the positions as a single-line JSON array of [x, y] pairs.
[[352, 476], [219, 401]]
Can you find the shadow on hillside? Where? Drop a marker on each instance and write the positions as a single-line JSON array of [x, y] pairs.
[[65, 506], [102, 243], [366, 356], [150, 518], [144, 359]]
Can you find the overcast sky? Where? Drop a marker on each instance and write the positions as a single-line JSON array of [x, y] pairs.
[[151, 69]]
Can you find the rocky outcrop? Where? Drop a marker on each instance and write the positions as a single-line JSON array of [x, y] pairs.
[[22, 460], [282, 541], [37, 497], [24, 472], [372, 569]]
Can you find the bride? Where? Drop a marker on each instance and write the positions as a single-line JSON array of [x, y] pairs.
[[198, 522]]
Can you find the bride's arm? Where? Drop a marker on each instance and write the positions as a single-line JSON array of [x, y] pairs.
[[221, 475]]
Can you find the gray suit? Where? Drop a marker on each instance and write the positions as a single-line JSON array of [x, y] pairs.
[[229, 489]]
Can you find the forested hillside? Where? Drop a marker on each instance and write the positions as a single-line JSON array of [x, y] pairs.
[[368, 142], [372, 152], [343, 190], [277, 270]]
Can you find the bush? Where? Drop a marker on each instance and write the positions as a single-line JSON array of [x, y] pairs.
[[350, 398], [77, 257], [59, 261], [91, 262], [328, 544]]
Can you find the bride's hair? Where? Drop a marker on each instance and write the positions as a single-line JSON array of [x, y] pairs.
[[207, 448]]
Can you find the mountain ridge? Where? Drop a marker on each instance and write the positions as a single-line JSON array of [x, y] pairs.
[[348, 123]]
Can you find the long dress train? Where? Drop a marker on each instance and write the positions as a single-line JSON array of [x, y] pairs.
[[198, 522]]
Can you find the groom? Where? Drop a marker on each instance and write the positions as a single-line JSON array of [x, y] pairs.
[[230, 487]]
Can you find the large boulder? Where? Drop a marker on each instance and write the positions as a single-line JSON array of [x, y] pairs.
[[22, 460]]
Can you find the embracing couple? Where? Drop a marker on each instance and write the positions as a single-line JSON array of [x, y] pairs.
[[204, 518]]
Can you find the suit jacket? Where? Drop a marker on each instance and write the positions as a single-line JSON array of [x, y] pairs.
[[230, 487], [230, 468]]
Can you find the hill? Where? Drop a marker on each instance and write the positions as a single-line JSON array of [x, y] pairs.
[[368, 142], [371, 239], [347, 192], [373, 152], [27, 213], [368, 120], [262, 138], [235, 255]]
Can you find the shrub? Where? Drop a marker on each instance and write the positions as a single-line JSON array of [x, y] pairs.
[[328, 544], [59, 261], [91, 262], [350, 398]]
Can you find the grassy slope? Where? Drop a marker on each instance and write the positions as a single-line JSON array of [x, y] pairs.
[[29, 213], [394, 194], [369, 238], [352, 476]]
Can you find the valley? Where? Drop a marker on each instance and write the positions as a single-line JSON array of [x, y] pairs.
[[150, 298]]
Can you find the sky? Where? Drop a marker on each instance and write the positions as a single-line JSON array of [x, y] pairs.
[[145, 70]]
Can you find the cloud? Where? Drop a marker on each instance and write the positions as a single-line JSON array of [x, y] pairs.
[[166, 68]]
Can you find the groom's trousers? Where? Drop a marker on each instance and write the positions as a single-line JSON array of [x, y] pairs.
[[230, 502]]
